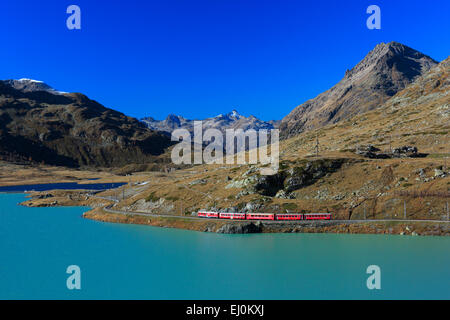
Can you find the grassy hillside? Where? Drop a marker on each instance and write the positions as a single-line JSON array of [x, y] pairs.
[[337, 180]]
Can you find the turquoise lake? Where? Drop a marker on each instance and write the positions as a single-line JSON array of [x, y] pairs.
[[141, 262]]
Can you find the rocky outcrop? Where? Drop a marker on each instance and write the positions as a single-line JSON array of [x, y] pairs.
[[302, 176], [238, 228], [157, 205], [369, 151], [405, 152], [296, 177], [269, 185]]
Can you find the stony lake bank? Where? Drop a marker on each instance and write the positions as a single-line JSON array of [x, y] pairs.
[[413, 228], [98, 211]]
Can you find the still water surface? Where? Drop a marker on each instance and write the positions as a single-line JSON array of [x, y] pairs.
[[141, 262]]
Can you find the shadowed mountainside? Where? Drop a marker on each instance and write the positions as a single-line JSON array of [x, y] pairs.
[[38, 125]]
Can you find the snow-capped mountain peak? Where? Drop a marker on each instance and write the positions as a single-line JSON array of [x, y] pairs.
[[234, 114], [29, 80], [31, 85]]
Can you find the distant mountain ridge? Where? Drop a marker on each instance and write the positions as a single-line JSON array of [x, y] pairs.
[[386, 70], [231, 120]]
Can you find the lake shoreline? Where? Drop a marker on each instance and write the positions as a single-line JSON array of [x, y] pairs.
[[245, 227], [98, 205], [177, 264]]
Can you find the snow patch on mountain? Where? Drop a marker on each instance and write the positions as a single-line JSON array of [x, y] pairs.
[[31, 85]]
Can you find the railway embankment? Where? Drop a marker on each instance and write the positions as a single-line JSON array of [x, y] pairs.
[[389, 227], [102, 211]]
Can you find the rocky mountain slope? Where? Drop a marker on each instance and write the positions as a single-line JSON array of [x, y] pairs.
[[386, 70], [231, 120], [417, 116], [38, 124]]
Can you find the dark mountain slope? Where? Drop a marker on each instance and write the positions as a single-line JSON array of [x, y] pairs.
[[71, 130]]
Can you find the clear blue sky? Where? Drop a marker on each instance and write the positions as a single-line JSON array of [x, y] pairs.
[[201, 58]]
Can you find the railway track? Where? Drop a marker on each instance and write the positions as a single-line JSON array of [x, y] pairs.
[[114, 211]]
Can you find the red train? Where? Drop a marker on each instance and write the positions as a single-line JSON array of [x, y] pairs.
[[203, 214], [265, 216], [225, 215]]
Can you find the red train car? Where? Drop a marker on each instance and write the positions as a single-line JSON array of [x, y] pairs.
[[289, 216], [317, 216], [205, 214], [260, 216], [226, 215]]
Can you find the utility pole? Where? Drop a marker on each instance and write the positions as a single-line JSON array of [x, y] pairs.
[[448, 218], [317, 145], [404, 209], [445, 165], [390, 143]]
